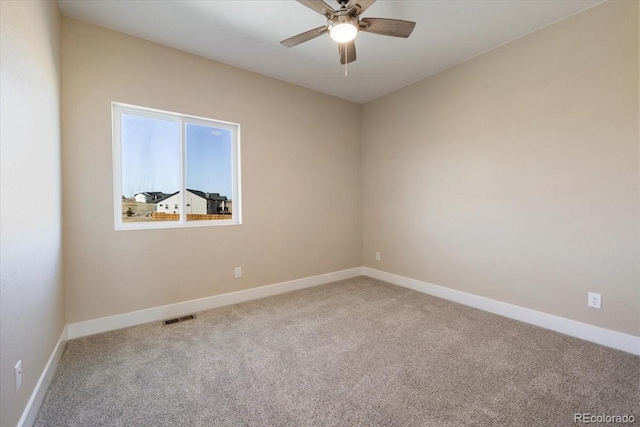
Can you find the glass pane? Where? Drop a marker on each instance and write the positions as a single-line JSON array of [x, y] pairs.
[[209, 173], [150, 169]]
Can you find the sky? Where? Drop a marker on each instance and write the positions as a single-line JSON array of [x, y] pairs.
[[151, 157]]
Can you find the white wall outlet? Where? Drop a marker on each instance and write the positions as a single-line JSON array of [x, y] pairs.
[[377, 256], [595, 300], [238, 272], [18, 372]]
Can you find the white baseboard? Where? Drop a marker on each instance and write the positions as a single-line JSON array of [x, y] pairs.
[[104, 324], [33, 406], [606, 337]]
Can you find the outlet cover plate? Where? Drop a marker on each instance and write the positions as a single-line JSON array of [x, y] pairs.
[[595, 300]]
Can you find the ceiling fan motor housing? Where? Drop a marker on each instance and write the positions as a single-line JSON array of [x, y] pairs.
[[342, 18]]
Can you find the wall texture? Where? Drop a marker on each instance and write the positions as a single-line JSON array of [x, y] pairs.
[[514, 175], [300, 178], [31, 289]]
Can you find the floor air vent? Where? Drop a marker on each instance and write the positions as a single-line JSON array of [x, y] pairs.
[[179, 319]]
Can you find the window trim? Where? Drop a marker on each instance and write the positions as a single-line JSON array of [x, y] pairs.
[[117, 109]]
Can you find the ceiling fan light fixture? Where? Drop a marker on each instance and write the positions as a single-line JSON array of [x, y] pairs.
[[343, 29], [343, 32]]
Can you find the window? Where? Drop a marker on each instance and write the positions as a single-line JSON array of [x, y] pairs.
[[163, 159]]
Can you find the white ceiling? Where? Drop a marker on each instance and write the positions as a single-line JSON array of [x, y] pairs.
[[247, 34]]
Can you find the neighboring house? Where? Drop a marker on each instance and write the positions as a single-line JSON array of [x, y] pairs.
[[198, 202], [170, 203], [149, 196]]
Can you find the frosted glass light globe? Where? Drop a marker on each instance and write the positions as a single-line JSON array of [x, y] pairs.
[[343, 32]]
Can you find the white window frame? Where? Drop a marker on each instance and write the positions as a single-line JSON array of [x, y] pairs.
[[117, 109]]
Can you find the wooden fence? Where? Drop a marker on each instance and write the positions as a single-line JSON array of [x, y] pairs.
[[161, 216]]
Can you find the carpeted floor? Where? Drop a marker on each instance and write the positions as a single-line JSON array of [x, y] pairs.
[[356, 352]]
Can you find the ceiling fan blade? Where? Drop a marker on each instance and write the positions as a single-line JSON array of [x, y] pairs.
[[304, 37], [347, 52], [318, 5], [362, 4], [387, 27]]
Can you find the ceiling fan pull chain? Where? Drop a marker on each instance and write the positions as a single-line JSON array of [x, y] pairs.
[[346, 62]]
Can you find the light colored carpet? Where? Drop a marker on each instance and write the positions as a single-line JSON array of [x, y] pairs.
[[355, 352]]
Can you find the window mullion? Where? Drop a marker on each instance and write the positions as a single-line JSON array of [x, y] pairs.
[[183, 172]]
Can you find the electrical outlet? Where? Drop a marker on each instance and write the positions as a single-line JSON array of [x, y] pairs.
[[377, 256], [595, 300], [18, 373], [238, 272]]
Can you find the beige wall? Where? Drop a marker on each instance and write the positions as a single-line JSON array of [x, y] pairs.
[[31, 288], [514, 175], [299, 148]]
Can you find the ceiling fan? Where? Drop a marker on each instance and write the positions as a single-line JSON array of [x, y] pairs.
[[344, 24]]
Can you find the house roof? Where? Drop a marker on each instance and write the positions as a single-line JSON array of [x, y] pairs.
[[150, 193], [208, 196], [165, 197]]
